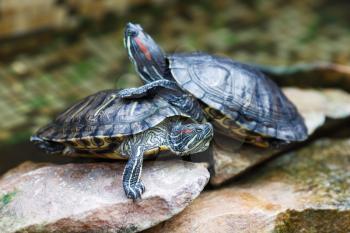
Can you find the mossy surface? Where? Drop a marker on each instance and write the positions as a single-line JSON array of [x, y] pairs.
[[320, 172], [313, 221], [7, 198], [323, 169]]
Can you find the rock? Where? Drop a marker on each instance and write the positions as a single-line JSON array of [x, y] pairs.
[[313, 75], [303, 191], [22, 169], [228, 164], [317, 105], [314, 105], [89, 197]]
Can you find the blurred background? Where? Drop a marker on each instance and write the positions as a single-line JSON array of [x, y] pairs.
[[53, 52]]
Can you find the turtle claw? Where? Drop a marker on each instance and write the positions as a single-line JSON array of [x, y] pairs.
[[135, 191]]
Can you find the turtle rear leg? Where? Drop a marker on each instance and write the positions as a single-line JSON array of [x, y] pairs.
[[48, 147], [169, 91], [132, 184], [148, 89]]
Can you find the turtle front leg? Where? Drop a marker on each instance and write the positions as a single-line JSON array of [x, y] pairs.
[[148, 89], [133, 186]]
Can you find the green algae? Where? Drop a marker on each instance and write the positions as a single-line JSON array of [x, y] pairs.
[[7, 198], [313, 221]]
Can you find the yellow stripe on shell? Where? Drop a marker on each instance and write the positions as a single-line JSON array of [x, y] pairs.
[[237, 130]]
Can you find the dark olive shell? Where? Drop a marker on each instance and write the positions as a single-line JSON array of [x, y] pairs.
[[240, 92], [103, 114]]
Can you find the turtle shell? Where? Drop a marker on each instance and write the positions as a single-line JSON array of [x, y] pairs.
[[103, 114], [240, 92]]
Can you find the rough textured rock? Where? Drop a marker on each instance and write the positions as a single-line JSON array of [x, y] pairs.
[[314, 105], [21, 169], [89, 197], [303, 191]]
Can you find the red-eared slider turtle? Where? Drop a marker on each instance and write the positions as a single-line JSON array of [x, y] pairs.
[[103, 125], [240, 101]]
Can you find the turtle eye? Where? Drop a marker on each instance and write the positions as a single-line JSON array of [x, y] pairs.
[[199, 130], [132, 29]]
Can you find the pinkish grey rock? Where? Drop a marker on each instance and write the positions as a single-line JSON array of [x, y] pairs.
[[89, 197]]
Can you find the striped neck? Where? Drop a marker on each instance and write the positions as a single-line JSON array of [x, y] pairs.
[[148, 58]]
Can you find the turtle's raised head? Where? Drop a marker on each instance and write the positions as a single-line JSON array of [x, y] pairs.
[[190, 138], [132, 29], [144, 52]]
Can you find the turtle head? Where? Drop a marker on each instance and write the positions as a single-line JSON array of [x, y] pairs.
[[48, 147], [144, 53], [187, 139]]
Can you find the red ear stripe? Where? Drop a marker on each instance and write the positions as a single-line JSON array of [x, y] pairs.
[[143, 48], [186, 131]]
